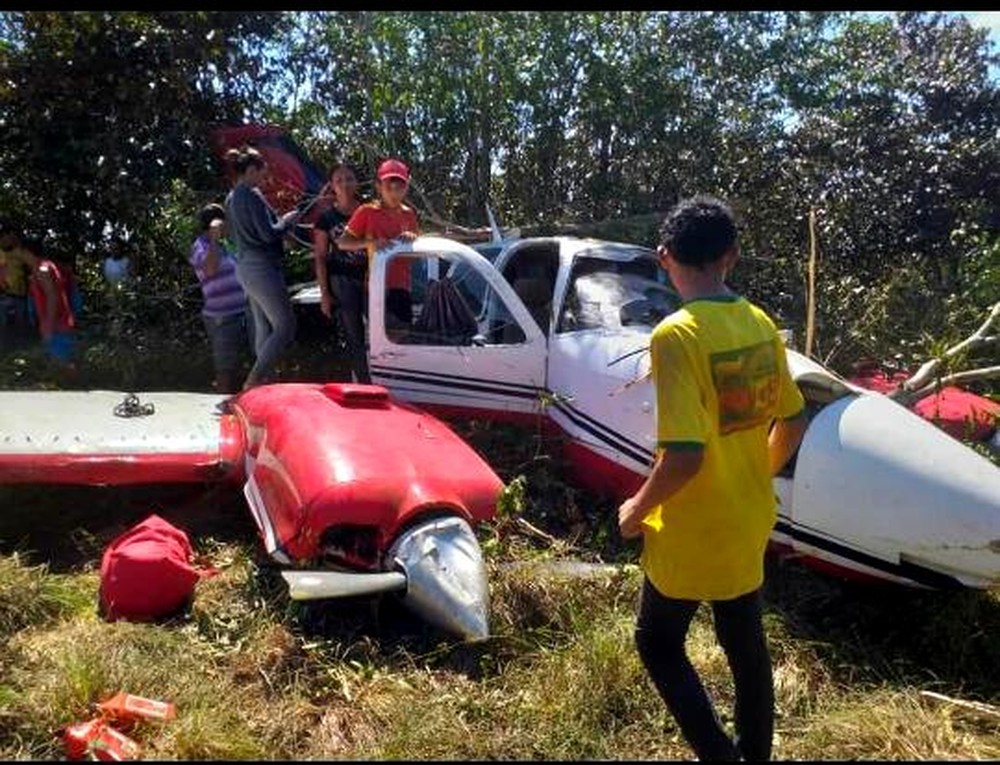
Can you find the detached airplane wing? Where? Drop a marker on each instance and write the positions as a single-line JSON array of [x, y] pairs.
[[114, 438]]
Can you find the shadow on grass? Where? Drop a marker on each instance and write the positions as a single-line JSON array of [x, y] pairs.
[[68, 527], [374, 630], [879, 632]]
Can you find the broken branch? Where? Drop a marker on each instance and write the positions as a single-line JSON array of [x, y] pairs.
[[926, 377], [958, 378], [973, 706]]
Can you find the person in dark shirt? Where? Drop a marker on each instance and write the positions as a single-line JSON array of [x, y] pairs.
[[342, 276]]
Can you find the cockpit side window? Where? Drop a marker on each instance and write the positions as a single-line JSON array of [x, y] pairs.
[[443, 302], [532, 272]]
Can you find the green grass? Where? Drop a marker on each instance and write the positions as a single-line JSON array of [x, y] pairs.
[[253, 677]]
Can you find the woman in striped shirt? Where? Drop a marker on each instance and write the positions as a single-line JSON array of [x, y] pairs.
[[225, 310]]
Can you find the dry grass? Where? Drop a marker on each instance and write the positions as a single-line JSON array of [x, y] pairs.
[[255, 677]]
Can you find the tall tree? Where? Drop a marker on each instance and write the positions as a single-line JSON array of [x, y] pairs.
[[102, 111]]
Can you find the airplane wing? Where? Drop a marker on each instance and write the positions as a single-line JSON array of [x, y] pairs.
[[116, 438]]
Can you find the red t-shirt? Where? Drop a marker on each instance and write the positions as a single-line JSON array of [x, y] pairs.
[[373, 221], [64, 314]]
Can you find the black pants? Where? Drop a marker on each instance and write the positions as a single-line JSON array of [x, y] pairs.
[[350, 305], [661, 631]]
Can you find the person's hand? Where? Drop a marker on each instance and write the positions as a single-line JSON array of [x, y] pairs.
[[408, 236], [215, 230], [630, 519], [326, 304]]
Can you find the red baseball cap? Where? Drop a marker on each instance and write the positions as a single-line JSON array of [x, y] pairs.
[[393, 168]]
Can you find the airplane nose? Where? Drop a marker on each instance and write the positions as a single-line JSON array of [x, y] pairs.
[[880, 490], [445, 575]]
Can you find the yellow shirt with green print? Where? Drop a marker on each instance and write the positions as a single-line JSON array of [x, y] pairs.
[[721, 377]]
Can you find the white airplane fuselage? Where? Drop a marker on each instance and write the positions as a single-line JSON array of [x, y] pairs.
[[873, 492]]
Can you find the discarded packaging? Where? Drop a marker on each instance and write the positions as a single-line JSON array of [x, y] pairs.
[[127, 707], [100, 741]]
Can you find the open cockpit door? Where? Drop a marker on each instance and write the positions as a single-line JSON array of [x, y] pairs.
[[447, 332]]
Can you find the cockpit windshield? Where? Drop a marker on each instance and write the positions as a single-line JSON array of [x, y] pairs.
[[610, 294]]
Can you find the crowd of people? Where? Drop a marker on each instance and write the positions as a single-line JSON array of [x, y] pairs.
[[252, 276], [238, 258]]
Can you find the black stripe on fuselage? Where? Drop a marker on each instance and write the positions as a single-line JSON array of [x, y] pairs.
[[602, 433], [903, 569], [461, 383], [586, 423]]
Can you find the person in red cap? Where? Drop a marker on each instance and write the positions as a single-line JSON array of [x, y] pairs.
[[374, 224]]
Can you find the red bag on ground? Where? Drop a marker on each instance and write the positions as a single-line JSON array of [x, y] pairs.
[[146, 573]]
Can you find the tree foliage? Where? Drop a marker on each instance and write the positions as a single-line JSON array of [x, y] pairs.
[[887, 126], [102, 111]]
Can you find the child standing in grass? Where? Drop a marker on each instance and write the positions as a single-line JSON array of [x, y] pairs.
[[224, 312], [707, 508]]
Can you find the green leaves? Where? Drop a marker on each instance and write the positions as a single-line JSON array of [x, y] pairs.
[[886, 124], [103, 108]]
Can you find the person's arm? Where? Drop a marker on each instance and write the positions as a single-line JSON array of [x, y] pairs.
[[355, 236], [790, 425], [321, 245], [213, 250], [673, 469], [784, 439], [682, 428], [260, 220], [351, 242]]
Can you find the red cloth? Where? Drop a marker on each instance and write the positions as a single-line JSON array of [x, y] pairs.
[[146, 573], [958, 412], [65, 320]]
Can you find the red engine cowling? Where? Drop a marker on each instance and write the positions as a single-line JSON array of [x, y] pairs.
[[343, 468]]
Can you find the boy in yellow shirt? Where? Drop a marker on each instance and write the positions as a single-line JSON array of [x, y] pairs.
[[13, 279], [707, 508]]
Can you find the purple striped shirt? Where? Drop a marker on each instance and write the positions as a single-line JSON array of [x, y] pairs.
[[223, 292]]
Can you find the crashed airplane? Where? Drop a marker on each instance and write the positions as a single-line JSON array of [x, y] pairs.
[[356, 492], [558, 328]]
